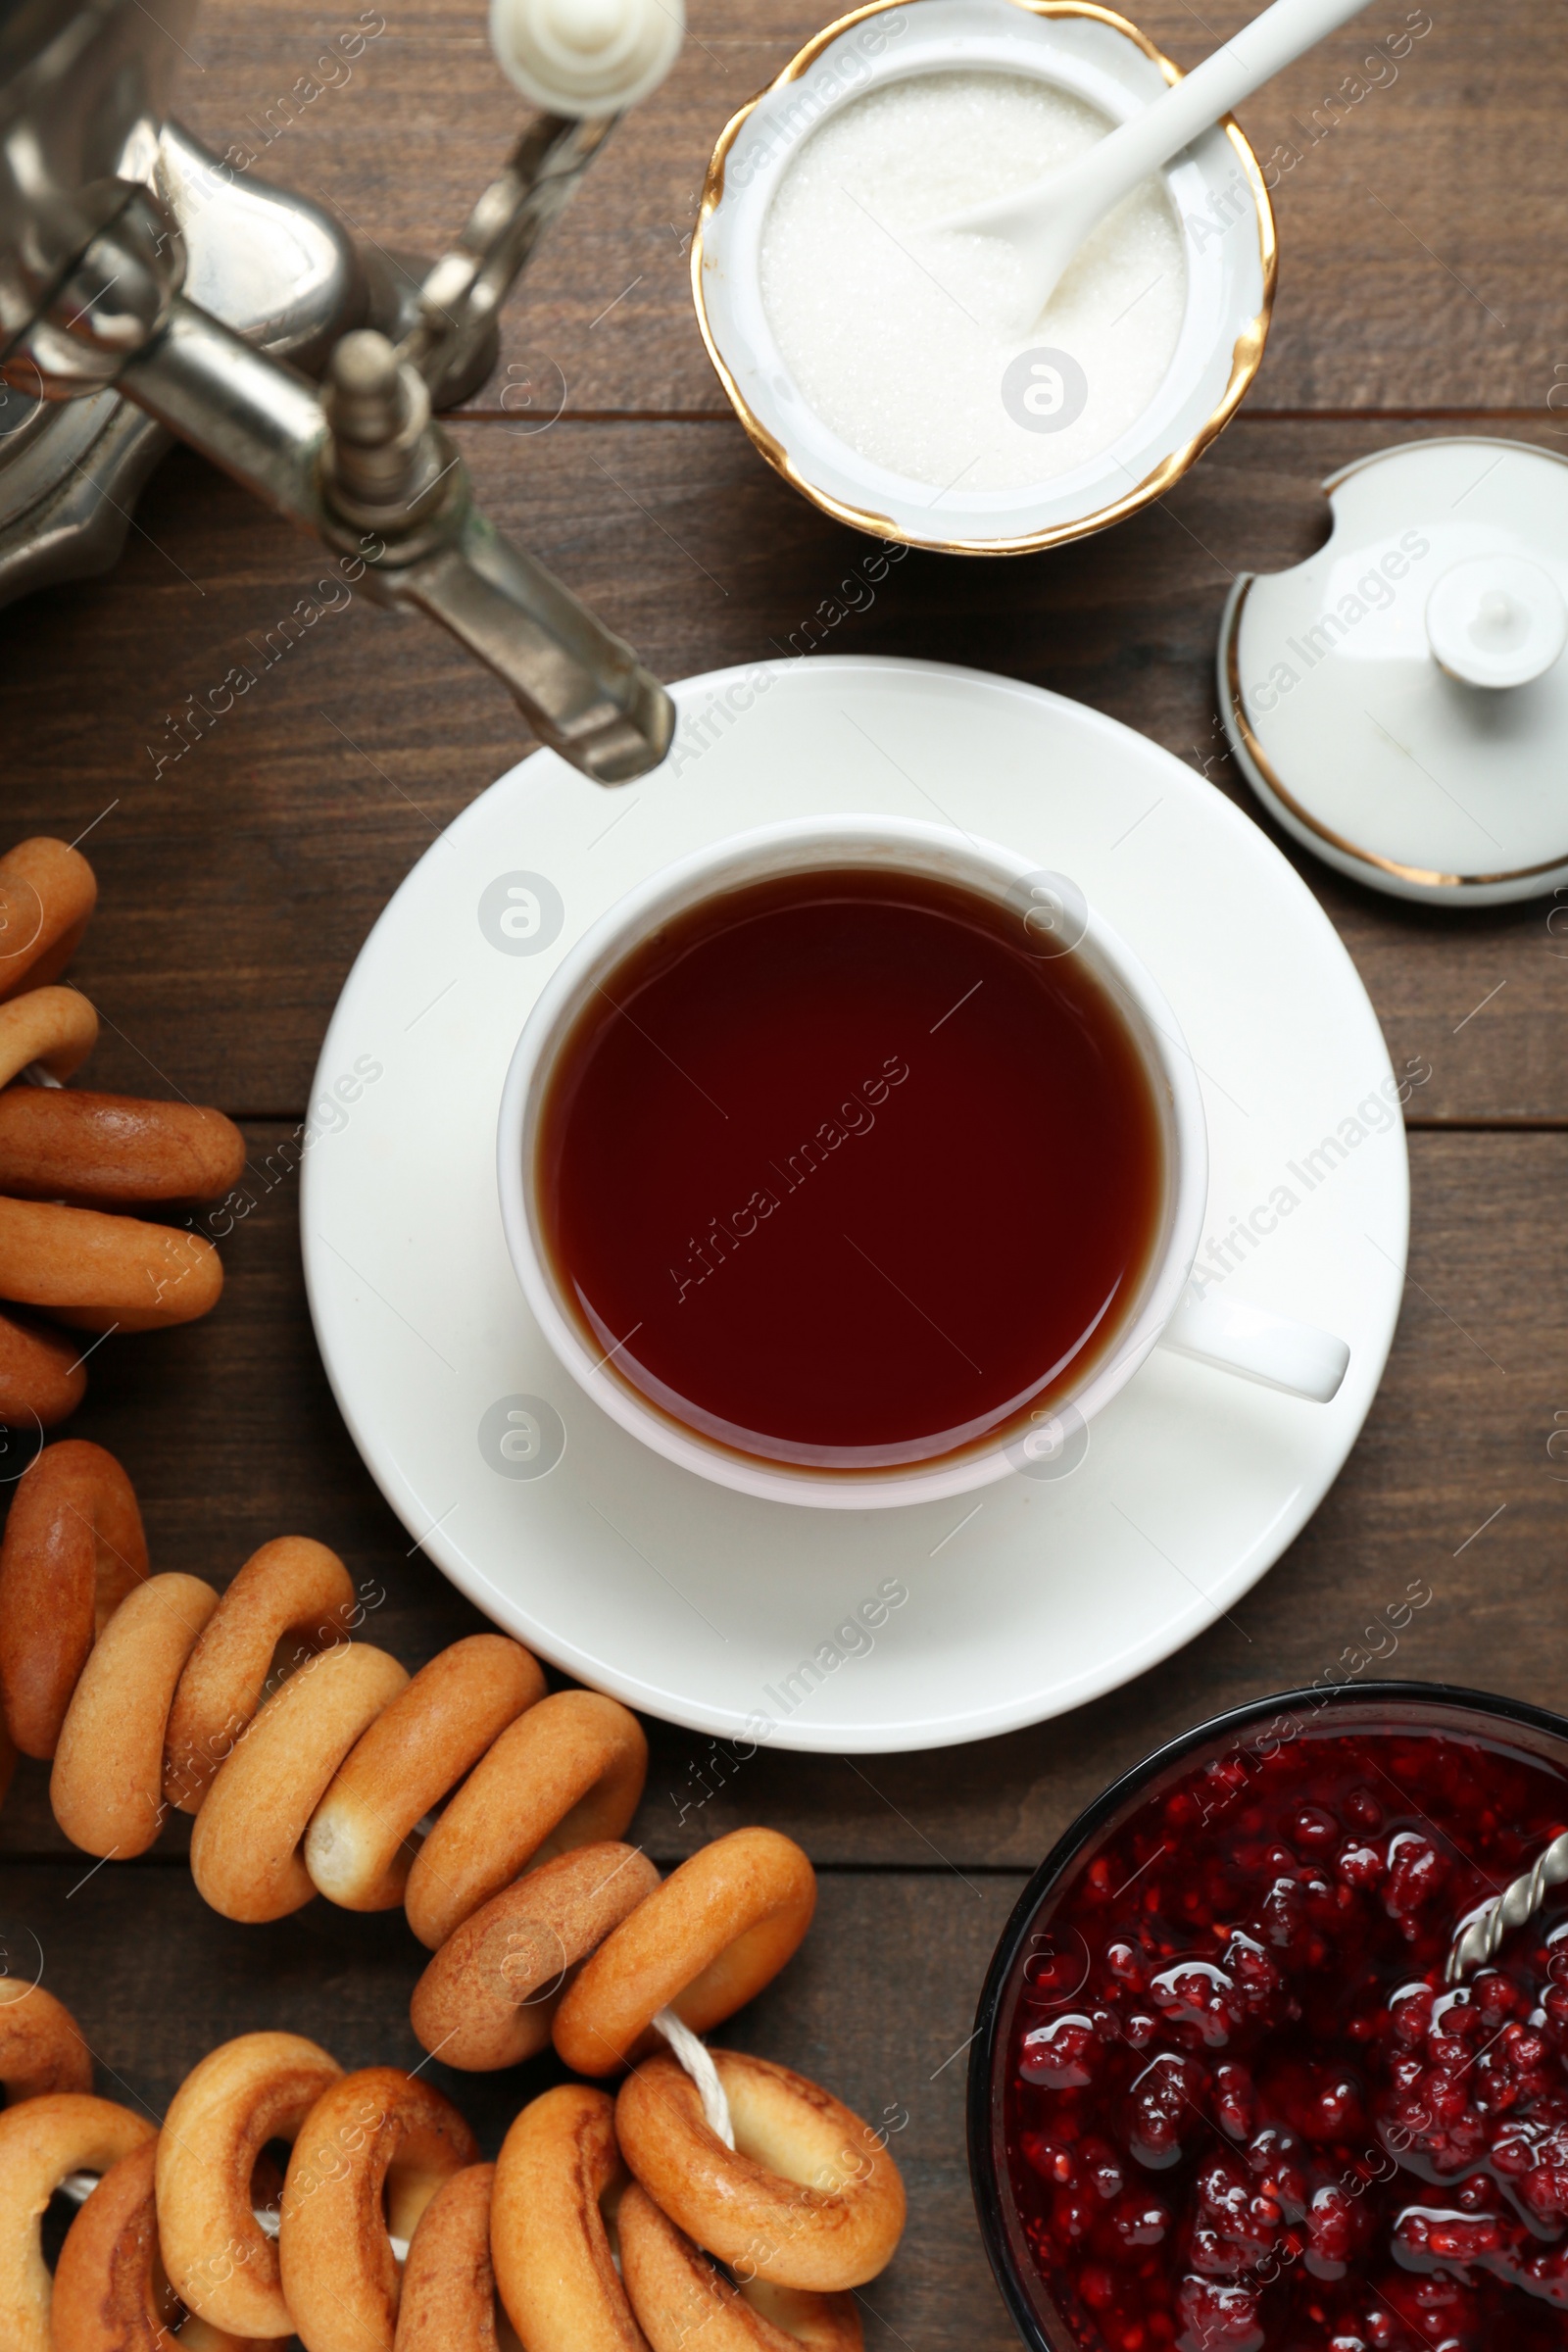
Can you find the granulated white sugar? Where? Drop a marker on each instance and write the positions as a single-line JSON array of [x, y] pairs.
[[890, 328]]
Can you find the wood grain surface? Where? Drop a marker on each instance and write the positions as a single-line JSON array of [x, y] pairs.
[[1419, 294], [240, 875], [1412, 227]]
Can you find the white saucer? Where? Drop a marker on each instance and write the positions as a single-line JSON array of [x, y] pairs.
[[759, 1621]]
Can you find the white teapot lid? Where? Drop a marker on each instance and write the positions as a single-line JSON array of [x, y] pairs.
[[1399, 701]]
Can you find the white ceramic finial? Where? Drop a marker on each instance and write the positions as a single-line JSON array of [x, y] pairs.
[[586, 57], [1496, 621]]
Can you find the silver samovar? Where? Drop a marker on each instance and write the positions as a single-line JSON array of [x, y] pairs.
[[147, 289]]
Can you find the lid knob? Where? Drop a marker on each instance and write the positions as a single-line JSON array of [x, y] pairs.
[[586, 57], [1496, 621]]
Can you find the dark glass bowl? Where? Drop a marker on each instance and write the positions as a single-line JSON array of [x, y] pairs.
[[1287, 1716]]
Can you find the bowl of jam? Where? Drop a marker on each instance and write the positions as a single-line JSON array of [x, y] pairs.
[[1222, 2099]]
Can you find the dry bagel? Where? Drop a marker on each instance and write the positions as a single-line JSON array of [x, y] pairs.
[[566, 1774], [47, 895], [107, 1786], [245, 1848], [40, 2047], [291, 1596], [42, 1375], [74, 1548], [256, 2090], [359, 1851], [41, 2143], [807, 2198], [111, 2293], [719, 1930], [105, 1273], [95, 1151], [55, 1027], [558, 2168], [106, 2296], [677, 2293], [489, 1995], [448, 2302], [373, 2153]]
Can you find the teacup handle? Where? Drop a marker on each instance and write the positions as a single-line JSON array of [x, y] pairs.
[[1272, 1349]]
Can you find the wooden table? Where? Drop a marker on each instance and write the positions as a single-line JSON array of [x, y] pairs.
[[1419, 294]]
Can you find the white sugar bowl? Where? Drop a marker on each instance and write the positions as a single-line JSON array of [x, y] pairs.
[[1217, 197]]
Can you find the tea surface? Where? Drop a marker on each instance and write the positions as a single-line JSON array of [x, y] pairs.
[[843, 1173]]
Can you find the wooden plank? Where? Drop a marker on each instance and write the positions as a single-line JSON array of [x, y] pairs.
[[1414, 275], [156, 1981], [240, 875], [239, 878], [230, 1435]]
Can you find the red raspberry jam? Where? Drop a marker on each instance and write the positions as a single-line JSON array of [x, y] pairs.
[[1242, 2112]]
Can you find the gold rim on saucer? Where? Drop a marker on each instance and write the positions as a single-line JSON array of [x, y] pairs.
[[1247, 353]]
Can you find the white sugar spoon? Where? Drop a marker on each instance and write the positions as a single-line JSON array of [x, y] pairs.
[[1047, 222]]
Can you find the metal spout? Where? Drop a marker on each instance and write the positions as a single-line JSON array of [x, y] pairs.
[[92, 264]]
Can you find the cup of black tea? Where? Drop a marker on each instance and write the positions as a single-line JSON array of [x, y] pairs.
[[855, 1163]]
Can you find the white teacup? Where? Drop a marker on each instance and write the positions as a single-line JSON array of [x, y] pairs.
[[1244, 1340]]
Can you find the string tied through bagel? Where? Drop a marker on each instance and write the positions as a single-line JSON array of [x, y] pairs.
[[693, 2055]]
